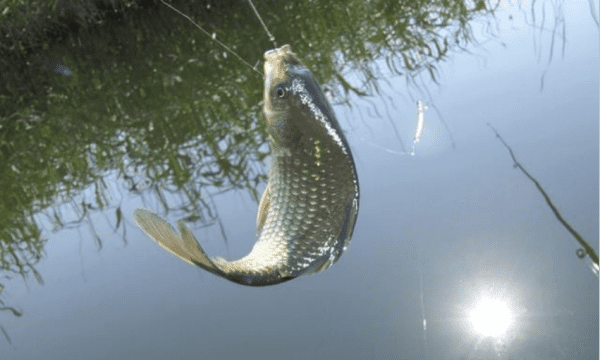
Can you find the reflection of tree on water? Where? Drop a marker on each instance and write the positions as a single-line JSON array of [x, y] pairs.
[[581, 253], [140, 109]]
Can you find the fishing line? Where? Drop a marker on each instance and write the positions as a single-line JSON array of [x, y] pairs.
[[271, 37], [214, 37], [363, 139], [423, 318]]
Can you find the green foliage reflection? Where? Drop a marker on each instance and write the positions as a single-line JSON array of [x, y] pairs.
[[152, 104]]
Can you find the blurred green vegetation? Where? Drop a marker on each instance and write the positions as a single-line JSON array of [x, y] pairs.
[[159, 106]]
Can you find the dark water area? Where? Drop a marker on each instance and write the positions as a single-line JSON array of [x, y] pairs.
[[108, 107]]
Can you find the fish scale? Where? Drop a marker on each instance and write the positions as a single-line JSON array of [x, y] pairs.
[[307, 213]]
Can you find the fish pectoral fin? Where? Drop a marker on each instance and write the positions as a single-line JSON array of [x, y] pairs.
[[263, 210], [184, 245]]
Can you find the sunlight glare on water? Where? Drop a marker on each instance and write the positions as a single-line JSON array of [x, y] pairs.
[[491, 317]]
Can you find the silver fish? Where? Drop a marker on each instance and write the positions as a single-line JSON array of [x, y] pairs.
[[421, 107], [307, 213]]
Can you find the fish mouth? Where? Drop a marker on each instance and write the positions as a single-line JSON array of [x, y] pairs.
[[278, 62]]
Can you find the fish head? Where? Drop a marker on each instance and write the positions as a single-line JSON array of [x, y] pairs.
[[294, 104]]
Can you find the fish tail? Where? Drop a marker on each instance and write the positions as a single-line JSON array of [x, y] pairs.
[[183, 245]]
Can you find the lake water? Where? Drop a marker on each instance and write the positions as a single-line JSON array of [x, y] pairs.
[[439, 234]]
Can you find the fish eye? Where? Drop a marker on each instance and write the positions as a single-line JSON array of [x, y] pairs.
[[280, 91]]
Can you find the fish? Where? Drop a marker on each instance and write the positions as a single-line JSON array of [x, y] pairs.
[[308, 211], [421, 107]]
